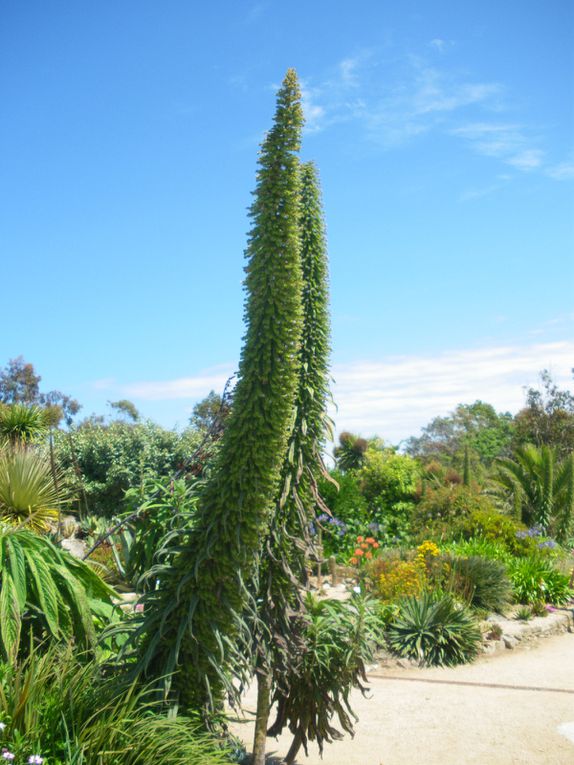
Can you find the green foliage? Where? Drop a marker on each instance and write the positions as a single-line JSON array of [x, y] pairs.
[[387, 477], [493, 526], [350, 454], [103, 461], [28, 493], [547, 419], [67, 711], [435, 630], [343, 496], [535, 579], [481, 582], [539, 487], [479, 546], [19, 384], [441, 508], [45, 593], [166, 508], [21, 424], [476, 428], [195, 617], [126, 408], [338, 641]]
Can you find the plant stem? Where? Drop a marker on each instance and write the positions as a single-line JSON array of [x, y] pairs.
[[262, 717]]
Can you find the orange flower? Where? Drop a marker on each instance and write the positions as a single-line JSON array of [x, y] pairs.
[[353, 561], [359, 552], [369, 555], [365, 546], [360, 539], [375, 545], [370, 540]]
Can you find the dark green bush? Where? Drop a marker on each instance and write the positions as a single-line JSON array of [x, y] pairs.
[[435, 630], [103, 461], [483, 583]]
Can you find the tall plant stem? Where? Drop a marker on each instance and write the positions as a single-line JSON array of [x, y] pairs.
[[262, 717]]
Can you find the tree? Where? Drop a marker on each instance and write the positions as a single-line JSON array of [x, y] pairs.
[[19, 384], [539, 488], [476, 427], [209, 414], [194, 621], [127, 408], [547, 419]]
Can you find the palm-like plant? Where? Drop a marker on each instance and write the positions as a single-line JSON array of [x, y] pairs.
[[46, 593], [540, 489], [28, 493], [21, 424]]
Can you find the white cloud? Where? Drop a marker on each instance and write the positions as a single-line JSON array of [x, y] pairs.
[[180, 388], [526, 160], [562, 172], [395, 397], [438, 44]]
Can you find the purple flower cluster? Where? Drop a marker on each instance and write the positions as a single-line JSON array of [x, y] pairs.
[[549, 544], [338, 526], [535, 531]]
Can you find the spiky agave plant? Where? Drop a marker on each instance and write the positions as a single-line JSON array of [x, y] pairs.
[[194, 621], [21, 424]]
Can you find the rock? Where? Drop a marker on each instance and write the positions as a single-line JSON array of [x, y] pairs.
[[76, 547], [509, 641]]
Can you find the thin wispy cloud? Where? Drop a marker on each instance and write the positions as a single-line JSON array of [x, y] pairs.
[[399, 100], [395, 397]]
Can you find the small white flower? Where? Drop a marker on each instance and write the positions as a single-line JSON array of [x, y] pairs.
[[357, 589], [2, 725], [35, 759], [6, 755]]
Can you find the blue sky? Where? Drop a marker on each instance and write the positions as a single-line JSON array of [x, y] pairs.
[[443, 132]]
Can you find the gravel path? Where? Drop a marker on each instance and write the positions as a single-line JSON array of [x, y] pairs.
[[512, 708]]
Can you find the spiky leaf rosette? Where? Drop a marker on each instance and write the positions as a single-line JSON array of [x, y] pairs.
[[194, 621], [290, 543]]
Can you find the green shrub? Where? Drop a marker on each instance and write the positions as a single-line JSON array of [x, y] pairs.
[[483, 583], [478, 546], [435, 630], [441, 510], [67, 712], [103, 461], [535, 580], [496, 527]]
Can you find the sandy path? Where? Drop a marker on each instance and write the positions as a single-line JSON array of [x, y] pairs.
[[426, 716]]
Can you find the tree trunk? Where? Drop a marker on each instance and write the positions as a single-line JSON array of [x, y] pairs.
[[262, 717], [293, 749]]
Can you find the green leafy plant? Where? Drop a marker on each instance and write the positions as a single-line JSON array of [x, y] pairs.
[[524, 613], [46, 594], [478, 547], [535, 579], [435, 630], [68, 711], [167, 505], [338, 641], [481, 582]]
